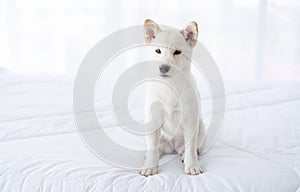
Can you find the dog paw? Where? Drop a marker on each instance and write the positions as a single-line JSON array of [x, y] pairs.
[[193, 170], [148, 171]]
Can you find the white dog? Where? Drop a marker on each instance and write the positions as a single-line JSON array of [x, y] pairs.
[[170, 136]]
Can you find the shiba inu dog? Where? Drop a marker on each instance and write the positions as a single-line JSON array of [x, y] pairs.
[[174, 49]]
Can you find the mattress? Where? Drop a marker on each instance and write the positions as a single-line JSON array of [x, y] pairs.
[[258, 148]]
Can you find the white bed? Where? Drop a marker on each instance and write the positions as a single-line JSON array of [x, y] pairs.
[[258, 148]]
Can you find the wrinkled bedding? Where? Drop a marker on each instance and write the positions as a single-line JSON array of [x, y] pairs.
[[258, 148]]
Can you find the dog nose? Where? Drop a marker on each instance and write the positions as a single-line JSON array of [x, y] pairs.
[[164, 68]]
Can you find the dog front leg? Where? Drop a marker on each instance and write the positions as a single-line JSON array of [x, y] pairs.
[[190, 156], [152, 156]]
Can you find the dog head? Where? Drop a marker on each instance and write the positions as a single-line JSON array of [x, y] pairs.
[[173, 48]]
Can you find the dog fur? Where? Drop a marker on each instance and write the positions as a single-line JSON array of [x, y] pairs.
[[173, 62]]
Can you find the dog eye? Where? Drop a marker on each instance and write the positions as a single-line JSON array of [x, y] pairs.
[[158, 51], [177, 52]]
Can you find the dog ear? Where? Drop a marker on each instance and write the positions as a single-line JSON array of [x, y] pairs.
[[190, 33], [151, 29]]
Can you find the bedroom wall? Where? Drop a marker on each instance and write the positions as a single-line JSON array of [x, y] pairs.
[[252, 39]]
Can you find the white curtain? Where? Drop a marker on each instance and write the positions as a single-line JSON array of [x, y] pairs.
[[250, 39]]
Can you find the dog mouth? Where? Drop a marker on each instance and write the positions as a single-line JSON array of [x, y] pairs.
[[164, 75]]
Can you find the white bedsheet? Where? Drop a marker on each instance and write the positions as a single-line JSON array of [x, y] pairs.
[[258, 148]]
